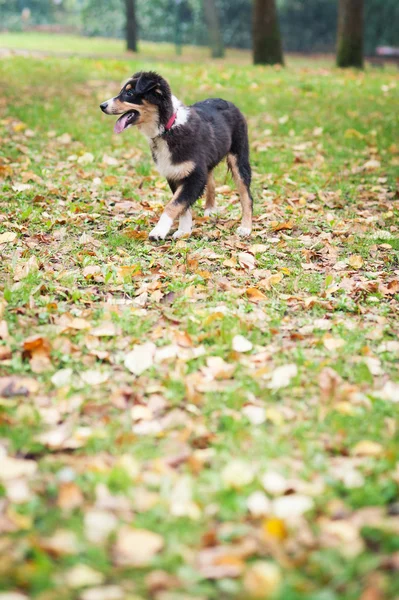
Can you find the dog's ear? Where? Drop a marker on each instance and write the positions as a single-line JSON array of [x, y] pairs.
[[145, 84]]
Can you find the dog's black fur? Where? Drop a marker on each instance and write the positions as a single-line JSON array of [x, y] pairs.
[[186, 153]]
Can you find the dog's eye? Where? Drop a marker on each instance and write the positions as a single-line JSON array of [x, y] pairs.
[[129, 92]]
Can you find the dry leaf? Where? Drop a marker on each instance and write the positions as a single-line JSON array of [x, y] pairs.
[[140, 358], [82, 576], [281, 377], [332, 343], [255, 295], [274, 483], [246, 260], [241, 344], [91, 271], [293, 506], [368, 448], [98, 525], [259, 504], [107, 592], [69, 496], [136, 547], [11, 468], [94, 377], [262, 580], [7, 236], [237, 474], [62, 378], [356, 261]]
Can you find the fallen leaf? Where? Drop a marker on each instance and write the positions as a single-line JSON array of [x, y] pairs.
[[98, 525], [62, 377], [274, 483], [83, 576], [262, 580], [259, 504], [11, 468], [255, 295], [91, 271], [241, 344], [136, 547], [69, 496], [368, 448], [7, 236], [140, 358], [237, 474], [332, 343], [246, 260], [356, 261], [86, 158], [61, 543], [94, 377], [281, 377], [282, 226], [290, 507], [107, 592]]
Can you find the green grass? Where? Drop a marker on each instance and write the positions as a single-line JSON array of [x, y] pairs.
[[325, 159]]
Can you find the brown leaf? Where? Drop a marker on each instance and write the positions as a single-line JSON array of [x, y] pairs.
[[282, 226], [69, 496]]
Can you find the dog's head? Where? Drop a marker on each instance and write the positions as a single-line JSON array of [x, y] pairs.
[[145, 99]]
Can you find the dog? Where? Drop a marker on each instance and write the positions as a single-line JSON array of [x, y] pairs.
[[187, 142]]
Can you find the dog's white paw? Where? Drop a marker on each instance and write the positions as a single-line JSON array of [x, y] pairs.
[[181, 233], [244, 231], [162, 228], [158, 233], [208, 212]]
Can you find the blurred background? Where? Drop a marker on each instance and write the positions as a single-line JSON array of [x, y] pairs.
[[269, 27]]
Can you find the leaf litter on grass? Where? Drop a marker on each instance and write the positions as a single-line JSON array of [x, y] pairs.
[[213, 417]]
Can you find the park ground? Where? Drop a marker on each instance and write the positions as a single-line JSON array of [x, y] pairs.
[[212, 418]]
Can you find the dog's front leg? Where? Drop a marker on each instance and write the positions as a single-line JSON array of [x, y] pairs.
[[188, 191], [185, 224]]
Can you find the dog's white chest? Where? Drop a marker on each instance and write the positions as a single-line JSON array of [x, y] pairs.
[[164, 164]]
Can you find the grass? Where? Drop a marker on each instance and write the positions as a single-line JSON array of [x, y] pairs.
[[180, 449]]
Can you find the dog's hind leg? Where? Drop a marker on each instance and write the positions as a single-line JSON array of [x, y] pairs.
[[187, 192], [210, 203], [241, 171]]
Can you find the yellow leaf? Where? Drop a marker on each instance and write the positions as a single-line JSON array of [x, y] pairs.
[[275, 279], [255, 295], [356, 261], [367, 448], [274, 528]]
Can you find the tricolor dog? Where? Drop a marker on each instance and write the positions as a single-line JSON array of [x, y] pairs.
[[187, 142]]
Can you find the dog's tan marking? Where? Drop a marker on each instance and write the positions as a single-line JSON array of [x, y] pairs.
[[246, 203], [172, 210], [128, 87], [210, 201]]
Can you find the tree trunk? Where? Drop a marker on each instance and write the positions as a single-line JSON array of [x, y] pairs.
[[350, 33], [131, 25], [267, 48], [214, 31]]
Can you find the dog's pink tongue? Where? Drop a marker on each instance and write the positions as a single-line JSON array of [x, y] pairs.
[[121, 123]]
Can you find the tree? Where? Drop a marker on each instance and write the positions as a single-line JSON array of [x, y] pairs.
[[267, 48], [350, 33], [214, 30], [131, 25]]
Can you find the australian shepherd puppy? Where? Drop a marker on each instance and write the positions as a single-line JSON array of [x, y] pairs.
[[187, 142]]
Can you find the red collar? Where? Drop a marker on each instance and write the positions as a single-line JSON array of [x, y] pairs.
[[170, 122]]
